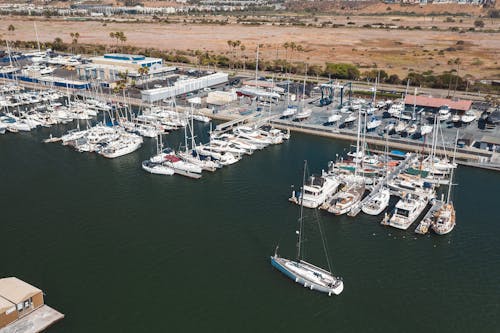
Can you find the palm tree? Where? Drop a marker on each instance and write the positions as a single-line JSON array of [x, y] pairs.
[[457, 62], [286, 45], [230, 45], [112, 35], [242, 49], [74, 39], [11, 30], [119, 36], [144, 71], [74, 36], [122, 37]]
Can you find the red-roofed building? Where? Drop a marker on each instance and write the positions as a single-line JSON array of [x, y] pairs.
[[433, 102]]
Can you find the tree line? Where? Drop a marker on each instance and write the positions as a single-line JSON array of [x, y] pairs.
[[234, 60]]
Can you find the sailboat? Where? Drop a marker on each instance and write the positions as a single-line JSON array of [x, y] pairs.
[[192, 156], [380, 200], [443, 220], [352, 192], [303, 272], [304, 111]]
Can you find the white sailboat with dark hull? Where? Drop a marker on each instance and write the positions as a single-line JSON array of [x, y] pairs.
[[303, 272]]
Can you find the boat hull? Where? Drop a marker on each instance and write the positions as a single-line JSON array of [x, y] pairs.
[[157, 169], [443, 231], [281, 265]]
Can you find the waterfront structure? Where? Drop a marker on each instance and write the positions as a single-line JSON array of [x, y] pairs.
[[490, 143], [130, 61], [183, 87], [219, 98], [17, 299], [110, 67], [49, 81], [459, 106], [111, 73]]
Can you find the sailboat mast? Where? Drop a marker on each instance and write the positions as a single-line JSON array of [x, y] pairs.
[[192, 128], [160, 146], [8, 50], [257, 65], [299, 234], [414, 116], [185, 138], [37, 40], [304, 90], [357, 143], [450, 184]]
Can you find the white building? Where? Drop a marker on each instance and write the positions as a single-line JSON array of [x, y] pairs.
[[183, 87]]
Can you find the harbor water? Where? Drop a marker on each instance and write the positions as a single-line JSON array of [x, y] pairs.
[[118, 250]]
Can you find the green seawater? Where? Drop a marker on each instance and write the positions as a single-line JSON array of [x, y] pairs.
[[118, 250]]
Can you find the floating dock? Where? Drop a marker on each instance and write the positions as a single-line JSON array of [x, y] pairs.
[[425, 223]]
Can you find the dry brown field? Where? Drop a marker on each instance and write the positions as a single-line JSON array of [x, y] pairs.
[[396, 51]]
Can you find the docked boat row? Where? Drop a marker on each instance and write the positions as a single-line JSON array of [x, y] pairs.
[[223, 149], [10, 97], [364, 181], [108, 141]]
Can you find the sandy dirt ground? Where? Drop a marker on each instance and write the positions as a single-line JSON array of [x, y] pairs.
[[396, 51]]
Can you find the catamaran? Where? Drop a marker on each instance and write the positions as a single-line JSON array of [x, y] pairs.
[[303, 272]]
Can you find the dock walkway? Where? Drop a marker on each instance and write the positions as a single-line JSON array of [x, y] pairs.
[[425, 223], [396, 171], [34, 322]]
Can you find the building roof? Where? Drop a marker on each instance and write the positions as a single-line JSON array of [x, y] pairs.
[[116, 58], [5, 305], [490, 139], [15, 290], [433, 102], [121, 56], [259, 83]]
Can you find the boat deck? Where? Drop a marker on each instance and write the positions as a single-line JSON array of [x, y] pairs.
[[34, 322], [402, 166], [425, 223]]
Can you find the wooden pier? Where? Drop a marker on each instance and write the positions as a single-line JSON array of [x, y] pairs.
[[35, 321], [425, 223]]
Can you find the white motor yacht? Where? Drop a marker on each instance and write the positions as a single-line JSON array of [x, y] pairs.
[[468, 117], [346, 198], [444, 113], [425, 129], [316, 190], [407, 210]]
